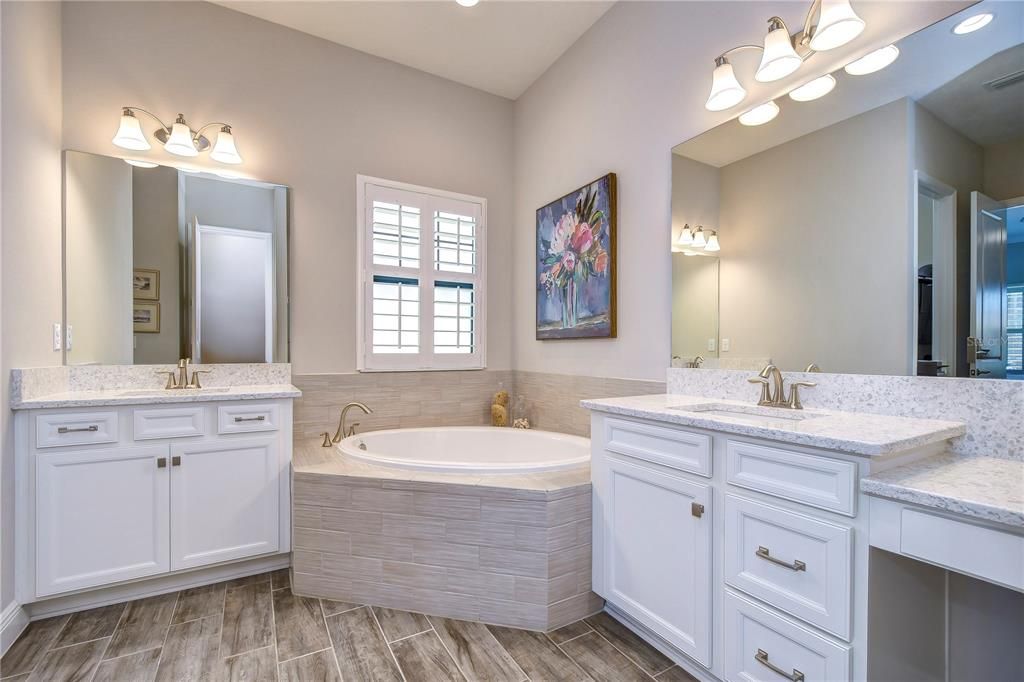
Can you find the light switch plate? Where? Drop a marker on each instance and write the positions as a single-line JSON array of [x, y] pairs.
[[68, 337], [56, 336], [725, 345], [711, 344]]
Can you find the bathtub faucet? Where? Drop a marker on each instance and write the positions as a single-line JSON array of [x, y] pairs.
[[344, 432]]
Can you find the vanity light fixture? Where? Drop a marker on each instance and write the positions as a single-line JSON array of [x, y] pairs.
[[699, 240], [467, 3], [178, 138], [685, 236], [873, 61], [819, 87], [972, 24], [140, 164], [760, 114], [829, 24], [713, 244]]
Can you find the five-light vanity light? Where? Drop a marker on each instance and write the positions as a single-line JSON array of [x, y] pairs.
[[178, 138]]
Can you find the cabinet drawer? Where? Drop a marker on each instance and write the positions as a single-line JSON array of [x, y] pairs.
[[814, 480], [248, 418], [760, 645], [168, 422], [795, 563], [75, 428], [664, 445]]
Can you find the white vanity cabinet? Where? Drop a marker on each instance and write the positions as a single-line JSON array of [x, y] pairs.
[[113, 494]]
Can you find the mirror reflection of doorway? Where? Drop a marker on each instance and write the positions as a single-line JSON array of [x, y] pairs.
[[936, 277]]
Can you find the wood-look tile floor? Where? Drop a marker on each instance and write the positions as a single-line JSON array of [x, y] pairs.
[[255, 629]]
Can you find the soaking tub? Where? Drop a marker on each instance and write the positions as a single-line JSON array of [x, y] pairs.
[[470, 449]]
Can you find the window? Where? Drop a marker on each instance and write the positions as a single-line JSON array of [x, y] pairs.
[[421, 274], [1015, 329]]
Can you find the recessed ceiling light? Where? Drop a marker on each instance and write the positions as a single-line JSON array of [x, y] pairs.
[[760, 115], [467, 3], [819, 87], [972, 24], [140, 164], [873, 61]]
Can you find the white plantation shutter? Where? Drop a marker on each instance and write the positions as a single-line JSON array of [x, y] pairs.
[[422, 277], [1015, 329]]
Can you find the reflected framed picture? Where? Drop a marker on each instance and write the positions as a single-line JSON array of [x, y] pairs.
[[146, 284], [576, 263], [146, 318]]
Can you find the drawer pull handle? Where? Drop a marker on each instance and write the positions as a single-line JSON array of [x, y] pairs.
[[765, 553], [86, 429], [762, 657], [260, 418]]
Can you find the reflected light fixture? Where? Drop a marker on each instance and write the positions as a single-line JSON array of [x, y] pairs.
[[972, 24], [699, 240], [760, 114], [685, 236], [178, 139], [873, 61], [467, 3], [140, 164], [819, 87], [726, 91], [713, 244], [778, 58], [837, 25]]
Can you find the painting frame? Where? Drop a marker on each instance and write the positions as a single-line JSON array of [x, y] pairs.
[[146, 324], [145, 284], [594, 202]]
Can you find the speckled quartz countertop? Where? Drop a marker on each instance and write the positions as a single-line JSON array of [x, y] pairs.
[[156, 396], [986, 488], [853, 432]]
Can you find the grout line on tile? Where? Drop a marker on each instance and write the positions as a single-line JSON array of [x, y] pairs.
[[401, 639], [295, 658], [628, 657], [386, 643], [167, 632], [445, 646]]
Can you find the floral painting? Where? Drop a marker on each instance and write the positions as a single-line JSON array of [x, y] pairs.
[[576, 264]]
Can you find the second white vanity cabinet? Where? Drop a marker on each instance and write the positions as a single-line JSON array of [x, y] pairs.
[[120, 493]]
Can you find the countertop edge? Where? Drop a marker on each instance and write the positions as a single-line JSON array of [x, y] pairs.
[[90, 399]]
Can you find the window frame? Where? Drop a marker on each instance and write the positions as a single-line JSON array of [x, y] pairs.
[[429, 200]]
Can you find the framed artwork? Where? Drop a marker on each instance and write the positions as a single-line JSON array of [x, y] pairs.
[[146, 318], [146, 284], [576, 264]]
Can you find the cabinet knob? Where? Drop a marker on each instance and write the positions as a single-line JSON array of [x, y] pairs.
[[697, 509], [161, 462], [176, 461]]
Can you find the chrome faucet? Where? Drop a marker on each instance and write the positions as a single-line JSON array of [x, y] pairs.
[[344, 432], [773, 389]]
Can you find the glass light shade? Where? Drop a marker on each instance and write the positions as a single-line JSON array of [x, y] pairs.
[[224, 150], [129, 134], [819, 87], [726, 91], [873, 61], [972, 24], [689, 253], [779, 58], [685, 236], [140, 164], [760, 115], [467, 3], [188, 170], [712, 244], [699, 240], [837, 25], [180, 141]]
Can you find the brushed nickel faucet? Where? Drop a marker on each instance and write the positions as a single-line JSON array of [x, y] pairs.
[[343, 431], [182, 381], [773, 389]]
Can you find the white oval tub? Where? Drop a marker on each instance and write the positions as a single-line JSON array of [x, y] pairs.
[[469, 449]]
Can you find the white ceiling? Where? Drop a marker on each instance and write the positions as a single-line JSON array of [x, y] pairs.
[[499, 46]]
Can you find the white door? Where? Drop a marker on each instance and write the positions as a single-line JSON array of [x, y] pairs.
[[986, 347], [224, 501], [658, 553], [101, 517]]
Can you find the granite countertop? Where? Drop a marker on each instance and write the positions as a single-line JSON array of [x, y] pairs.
[[853, 432], [987, 488], [156, 396]]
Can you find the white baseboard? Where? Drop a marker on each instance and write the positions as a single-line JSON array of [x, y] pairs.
[[13, 622], [90, 599]]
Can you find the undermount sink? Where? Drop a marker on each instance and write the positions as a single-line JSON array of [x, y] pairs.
[[751, 414], [145, 392]]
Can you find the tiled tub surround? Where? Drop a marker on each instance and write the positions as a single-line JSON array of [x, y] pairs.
[[78, 386], [505, 549], [991, 409], [411, 399]]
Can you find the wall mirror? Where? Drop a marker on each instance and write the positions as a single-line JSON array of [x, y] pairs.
[[878, 229], [161, 264]]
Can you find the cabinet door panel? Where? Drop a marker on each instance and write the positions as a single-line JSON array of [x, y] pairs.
[[224, 501], [658, 553], [101, 517]]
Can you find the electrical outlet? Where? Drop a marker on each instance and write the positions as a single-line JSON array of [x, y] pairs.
[[725, 345], [56, 336], [68, 337]]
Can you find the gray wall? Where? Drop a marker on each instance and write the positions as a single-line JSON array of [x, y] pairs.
[[155, 231]]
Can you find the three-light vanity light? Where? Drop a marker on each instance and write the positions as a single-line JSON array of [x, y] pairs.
[[178, 138], [692, 241]]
